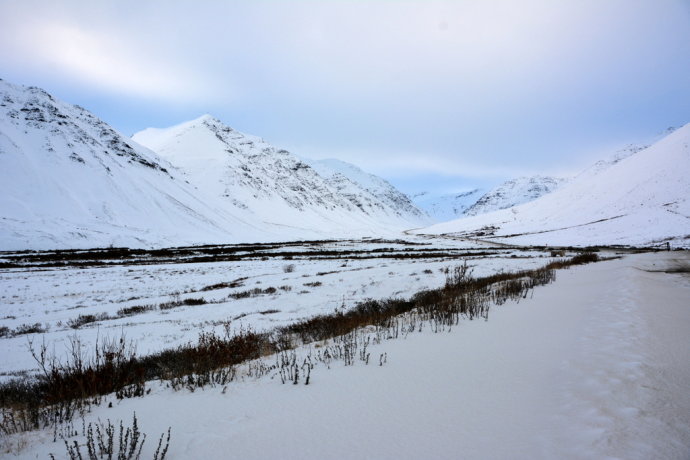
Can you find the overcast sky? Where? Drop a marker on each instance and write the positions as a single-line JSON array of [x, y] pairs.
[[430, 95]]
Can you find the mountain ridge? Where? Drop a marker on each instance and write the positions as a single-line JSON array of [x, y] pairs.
[[275, 185]]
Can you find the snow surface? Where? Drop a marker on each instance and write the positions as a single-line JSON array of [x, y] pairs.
[[592, 366], [639, 200]]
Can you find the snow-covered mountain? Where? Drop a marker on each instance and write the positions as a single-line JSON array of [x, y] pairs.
[[68, 180], [448, 206], [367, 191], [641, 199], [618, 156], [478, 201], [250, 177], [514, 192]]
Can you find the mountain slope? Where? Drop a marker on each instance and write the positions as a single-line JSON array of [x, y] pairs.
[[641, 199], [251, 177], [68, 180]]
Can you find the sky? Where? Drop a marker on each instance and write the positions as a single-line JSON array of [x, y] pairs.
[[439, 96]]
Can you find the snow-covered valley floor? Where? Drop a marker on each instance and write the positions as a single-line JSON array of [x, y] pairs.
[[594, 365], [293, 287]]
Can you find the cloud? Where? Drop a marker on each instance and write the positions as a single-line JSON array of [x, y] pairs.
[[96, 58], [471, 87]]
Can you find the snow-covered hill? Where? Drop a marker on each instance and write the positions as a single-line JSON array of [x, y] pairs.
[[250, 177], [68, 180], [641, 199], [514, 192], [449, 206]]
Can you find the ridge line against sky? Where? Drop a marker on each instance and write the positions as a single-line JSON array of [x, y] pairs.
[[429, 95]]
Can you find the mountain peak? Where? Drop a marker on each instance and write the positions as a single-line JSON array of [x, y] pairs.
[[203, 131], [206, 119], [207, 116]]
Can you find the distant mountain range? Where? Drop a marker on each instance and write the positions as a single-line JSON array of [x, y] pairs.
[[640, 196], [448, 206], [511, 193], [69, 180], [514, 192]]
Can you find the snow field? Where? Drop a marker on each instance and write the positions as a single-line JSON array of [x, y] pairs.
[[56, 297], [592, 366]]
